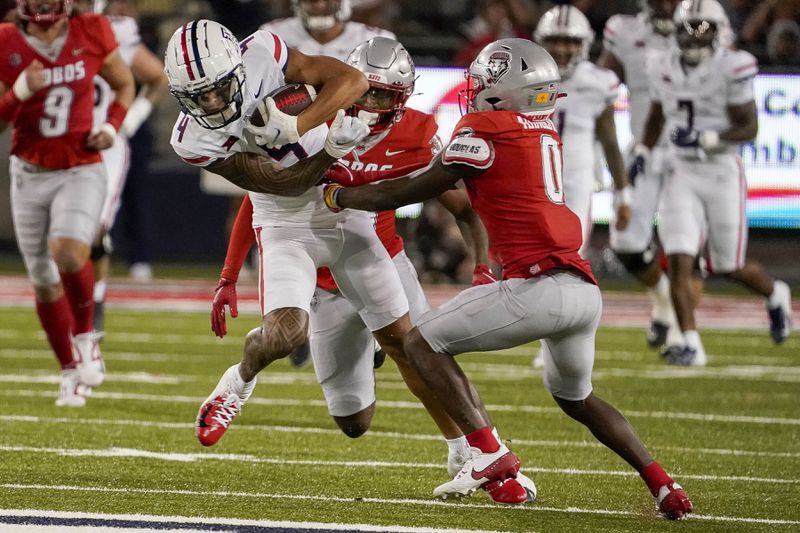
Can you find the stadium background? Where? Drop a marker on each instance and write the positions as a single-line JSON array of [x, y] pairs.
[[439, 34]]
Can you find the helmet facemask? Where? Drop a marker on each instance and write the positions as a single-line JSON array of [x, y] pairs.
[[659, 15], [697, 40], [381, 106], [217, 104], [46, 13]]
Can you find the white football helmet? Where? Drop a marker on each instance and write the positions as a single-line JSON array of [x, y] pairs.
[[512, 75], [46, 13], [205, 72], [565, 22], [339, 11], [658, 14], [389, 70], [701, 28]]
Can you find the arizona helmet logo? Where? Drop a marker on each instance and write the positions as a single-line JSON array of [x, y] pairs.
[[498, 65]]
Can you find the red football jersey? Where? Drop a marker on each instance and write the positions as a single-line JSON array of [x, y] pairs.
[[51, 127], [520, 195], [409, 145]]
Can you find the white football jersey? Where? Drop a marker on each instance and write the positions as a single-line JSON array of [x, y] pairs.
[[126, 30], [264, 56], [631, 39], [291, 30], [699, 97], [590, 90]]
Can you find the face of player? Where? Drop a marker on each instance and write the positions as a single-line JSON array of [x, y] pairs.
[[214, 100], [661, 15], [377, 108], [696, 41], [319, 15], [563, 49]]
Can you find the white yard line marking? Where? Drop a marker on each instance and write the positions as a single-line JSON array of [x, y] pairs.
[[247, 458], [143, 520], [699, 417], [378, 434], [404, 501]]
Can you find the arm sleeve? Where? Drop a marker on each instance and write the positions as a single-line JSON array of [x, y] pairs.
[[240, 242]]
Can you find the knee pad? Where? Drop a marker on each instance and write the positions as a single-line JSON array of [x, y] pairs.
[[636, 262], [104, 248]]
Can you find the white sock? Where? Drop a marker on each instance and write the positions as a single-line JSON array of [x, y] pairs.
[[99, 290], [692, 339], [773, 300], [662, 300], [240, 387], [457, 446]]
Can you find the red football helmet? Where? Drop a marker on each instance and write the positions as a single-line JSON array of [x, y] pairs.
[[43, 12]]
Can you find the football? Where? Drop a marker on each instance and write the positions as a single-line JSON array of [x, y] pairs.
[[292, 99]]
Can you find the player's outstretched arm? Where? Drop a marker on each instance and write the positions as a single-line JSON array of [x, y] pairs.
[[340, 86], [472, 229], [254, 172], [391, 194], [148, 70], [606, 133]]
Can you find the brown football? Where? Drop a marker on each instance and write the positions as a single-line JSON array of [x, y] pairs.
[[292, 99]]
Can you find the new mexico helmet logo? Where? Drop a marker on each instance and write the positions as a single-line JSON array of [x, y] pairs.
[[498, 65]]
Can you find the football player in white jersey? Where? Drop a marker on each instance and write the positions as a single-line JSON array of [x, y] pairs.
[[148, 71], [627, 42], [585, 114], [218, 83], [323, 27], [702, 93]]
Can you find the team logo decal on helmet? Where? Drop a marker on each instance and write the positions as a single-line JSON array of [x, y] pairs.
[[498, 65]]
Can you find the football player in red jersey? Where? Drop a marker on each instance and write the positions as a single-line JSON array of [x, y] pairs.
[[401, 140], [58, 180], [509, 155]]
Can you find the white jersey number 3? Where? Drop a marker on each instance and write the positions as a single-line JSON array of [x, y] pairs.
[[57, 105], [551, 169]]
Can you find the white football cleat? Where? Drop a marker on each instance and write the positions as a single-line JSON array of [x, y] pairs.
[[72, 393], [780, 317], [86, 352], [479, 469]]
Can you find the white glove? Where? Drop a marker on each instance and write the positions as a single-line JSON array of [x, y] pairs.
[[278, 129], [344, 134]]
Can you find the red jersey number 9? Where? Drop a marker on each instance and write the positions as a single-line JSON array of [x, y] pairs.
[[551, 169], [55, 115]]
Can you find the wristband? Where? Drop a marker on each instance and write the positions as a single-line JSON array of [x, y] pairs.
[[137, 113], [709, 139], [115, 115], [106, 128], [229, 273], [21, 89], [330, 195]]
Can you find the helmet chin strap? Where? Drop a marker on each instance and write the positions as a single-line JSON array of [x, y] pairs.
[[321, 23]]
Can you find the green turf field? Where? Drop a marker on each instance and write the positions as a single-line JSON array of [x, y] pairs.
[[730, 433]]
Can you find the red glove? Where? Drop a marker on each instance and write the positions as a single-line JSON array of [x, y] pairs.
[[482, 275], [224, 294], [338, 173]]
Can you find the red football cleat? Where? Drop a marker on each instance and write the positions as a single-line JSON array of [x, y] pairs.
[[673, 502], [215, 415], [512, 491]]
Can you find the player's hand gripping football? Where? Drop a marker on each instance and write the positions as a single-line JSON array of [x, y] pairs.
[[482, 275], [279, 128], [344, 134], [224, 294]]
